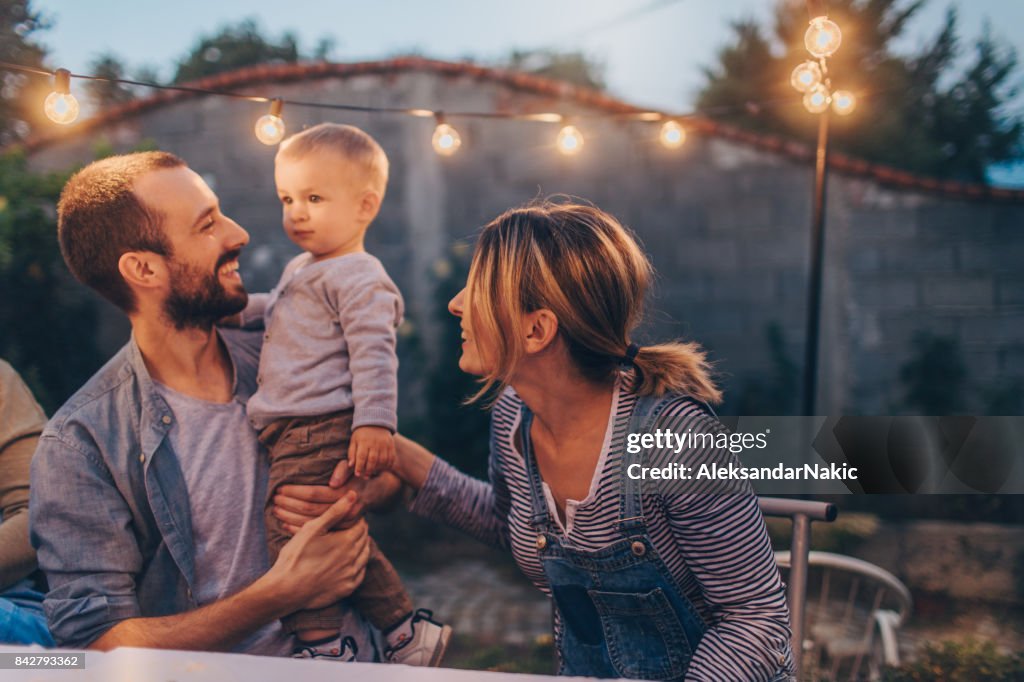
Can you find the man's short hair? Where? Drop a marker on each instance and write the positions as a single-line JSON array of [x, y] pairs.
[[99, 218], [351, 143]]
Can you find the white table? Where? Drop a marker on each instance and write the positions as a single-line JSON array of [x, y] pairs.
[[155, 665]]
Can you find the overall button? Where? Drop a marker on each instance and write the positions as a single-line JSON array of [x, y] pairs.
[[165, 419], [142, 457], [638, 548], [542, 542]]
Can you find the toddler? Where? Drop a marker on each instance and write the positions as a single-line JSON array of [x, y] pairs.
[[327, 384]]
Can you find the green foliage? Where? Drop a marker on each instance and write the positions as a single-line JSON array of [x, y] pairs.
[[571, 67], [235, 46], [23, 94], [103, 93], [776, 392], [537, 658], [917, 111], [935, 377], [47, 323], [455, 431], [953, 661]]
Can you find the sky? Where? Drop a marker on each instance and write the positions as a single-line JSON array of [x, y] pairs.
[[653, 50]]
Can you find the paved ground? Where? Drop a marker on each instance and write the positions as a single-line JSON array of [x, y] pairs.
[[481, 601], [489, 602]]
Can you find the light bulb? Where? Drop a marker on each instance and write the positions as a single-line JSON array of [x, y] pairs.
[[569, 140], [61, 108], [270, 127], [446, 140], [805, 76], [822, 37], [672, 135], [817, 100], [60, 105], [843, 102]]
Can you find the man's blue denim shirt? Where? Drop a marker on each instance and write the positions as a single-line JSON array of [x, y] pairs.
[[109, 511]]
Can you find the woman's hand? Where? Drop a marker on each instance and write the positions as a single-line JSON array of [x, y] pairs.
[[413, 461]]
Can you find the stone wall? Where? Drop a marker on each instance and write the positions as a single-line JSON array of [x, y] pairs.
[[726, 226]]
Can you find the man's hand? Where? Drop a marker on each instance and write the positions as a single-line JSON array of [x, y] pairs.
[[320, 565], [297, 505], [372, 450]]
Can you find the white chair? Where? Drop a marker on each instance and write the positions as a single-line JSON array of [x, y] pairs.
[[854, 610]]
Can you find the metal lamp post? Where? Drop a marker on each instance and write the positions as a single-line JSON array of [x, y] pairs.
[[812, 78]]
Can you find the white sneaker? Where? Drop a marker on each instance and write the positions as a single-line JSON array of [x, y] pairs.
[[342, 649], [427, 644]]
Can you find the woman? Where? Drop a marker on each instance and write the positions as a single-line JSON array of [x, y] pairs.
[[648, 584]]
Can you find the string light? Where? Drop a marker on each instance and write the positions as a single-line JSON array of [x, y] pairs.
[[843, 102], [817, 100], [805, 76], [823, 37], [569, 140], [672, 135], [60, 105], [270, 127], [446, 139]]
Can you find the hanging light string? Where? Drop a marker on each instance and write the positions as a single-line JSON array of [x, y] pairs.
[[270, 128]]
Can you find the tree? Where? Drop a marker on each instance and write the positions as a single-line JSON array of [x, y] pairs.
[[19, 22], [572, 67], [235, 46], [104, 93], [47, 323], [918, 112]]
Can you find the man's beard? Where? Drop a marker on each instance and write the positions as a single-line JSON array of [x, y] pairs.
[[198, 299]]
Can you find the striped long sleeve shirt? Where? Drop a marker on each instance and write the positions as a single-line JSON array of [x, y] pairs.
[[715, 546]]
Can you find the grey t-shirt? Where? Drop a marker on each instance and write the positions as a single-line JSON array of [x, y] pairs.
[[226, 477]]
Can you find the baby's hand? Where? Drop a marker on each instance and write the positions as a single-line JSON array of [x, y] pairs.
[[372, 450]]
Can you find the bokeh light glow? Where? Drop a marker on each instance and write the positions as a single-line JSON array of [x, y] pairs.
[[823, 37], [61, 107], [843, 102], [446, 140], [672, 135], [270, 129], [569, 140], [817, 100], [805, 76]]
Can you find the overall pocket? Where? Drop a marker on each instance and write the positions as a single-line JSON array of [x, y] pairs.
[[644, 636]]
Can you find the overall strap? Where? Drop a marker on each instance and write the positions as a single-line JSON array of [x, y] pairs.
[[643, 418], [539, 516]]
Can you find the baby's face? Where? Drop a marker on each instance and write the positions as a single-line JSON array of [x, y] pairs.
[[320, 195]]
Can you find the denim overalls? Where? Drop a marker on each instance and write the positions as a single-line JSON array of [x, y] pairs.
[[622, 612]]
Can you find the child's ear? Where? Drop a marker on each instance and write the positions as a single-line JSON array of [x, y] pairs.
[[369, 205]]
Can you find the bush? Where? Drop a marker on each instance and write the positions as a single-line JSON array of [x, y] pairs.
[[955, 661]]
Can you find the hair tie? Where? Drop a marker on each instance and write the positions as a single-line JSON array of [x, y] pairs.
[[631, 352]]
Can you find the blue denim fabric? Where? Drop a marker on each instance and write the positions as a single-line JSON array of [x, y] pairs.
[[109, 509], [623, 615], [22, 620]]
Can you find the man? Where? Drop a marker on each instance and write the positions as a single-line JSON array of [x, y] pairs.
[[21, 421], [148, 484]]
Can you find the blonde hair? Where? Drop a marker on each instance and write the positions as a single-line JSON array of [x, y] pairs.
[[580, 263], [351, 143]]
